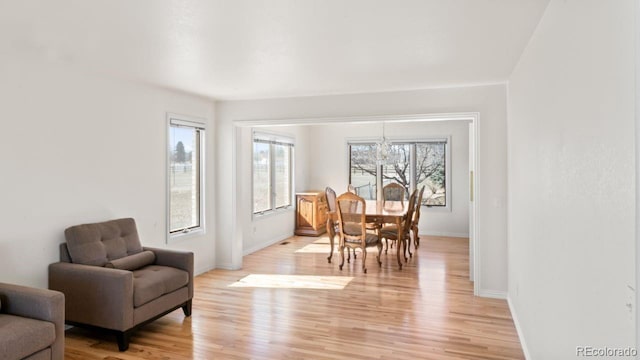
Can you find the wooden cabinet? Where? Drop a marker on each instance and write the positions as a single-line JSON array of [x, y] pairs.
[[311, 213]]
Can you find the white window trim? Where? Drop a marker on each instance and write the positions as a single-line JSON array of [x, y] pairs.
[[281, 138], [200, 123], [400, 140], [447, 172]]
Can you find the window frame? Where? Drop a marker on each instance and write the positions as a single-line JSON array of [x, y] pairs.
[[362, 141], [412, 168], [200, 125], [274, 139]]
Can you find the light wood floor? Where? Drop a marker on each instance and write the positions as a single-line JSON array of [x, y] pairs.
[[425, 311]]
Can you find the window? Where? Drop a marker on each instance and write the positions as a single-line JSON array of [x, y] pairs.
[[409, 163], [186, 174], [431, 172], [272, 172], [363, 170]]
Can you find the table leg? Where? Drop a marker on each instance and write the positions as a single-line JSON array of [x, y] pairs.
[[400, 244]]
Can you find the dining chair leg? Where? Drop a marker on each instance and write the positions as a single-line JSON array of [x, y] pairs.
[[364, 259], [379, 253], [341, 256], [416, 238], [331, 238], [404, 248], [408, 244]]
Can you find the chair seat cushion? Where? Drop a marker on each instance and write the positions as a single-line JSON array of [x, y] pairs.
[[21, 337], [370, 240], [153, 281], [389, 232]]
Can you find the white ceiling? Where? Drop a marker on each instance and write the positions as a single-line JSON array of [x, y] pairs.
[[239, 49]]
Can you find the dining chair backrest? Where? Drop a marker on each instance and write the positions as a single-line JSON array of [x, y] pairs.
[[331, 198], [411, 206], [416, 214], [351, 217], [352, 189], [393, 192]]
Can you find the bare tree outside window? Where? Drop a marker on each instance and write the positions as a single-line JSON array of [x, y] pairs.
[[363, 172], [430, 172], [429, 169], [397, 167]]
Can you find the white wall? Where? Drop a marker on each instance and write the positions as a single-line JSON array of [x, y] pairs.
[[76, 148], [331, 165], [572, 180], [263, 230], [489, 101]]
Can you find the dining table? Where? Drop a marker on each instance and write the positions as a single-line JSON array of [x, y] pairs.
[[377, 212]]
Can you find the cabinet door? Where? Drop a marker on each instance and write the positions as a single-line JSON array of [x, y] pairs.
[[305, 212]]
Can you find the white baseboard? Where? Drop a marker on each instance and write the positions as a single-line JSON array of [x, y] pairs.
[[203, 270], [266, 243], [516, 322], [494, 294], [225, 266], [445, 233]]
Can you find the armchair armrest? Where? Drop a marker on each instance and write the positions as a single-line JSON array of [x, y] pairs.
[[95, 295], [39, 304], [182, 260]]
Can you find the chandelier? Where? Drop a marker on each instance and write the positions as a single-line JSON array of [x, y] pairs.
[[382, 149]]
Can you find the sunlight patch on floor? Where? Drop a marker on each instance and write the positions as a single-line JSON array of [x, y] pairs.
[[320, 248], [316, 248], [276, 281]]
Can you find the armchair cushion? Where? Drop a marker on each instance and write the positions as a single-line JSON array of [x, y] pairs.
[[153, 281], [22, 336], [99, 243], [133, 262]]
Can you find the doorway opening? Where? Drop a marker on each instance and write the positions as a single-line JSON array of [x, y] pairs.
[[241, 203]]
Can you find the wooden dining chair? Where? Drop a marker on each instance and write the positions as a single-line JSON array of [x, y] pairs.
[[370, 226], [416, 219], [353, 232], [333, 228], [390, 232], [393, 192]]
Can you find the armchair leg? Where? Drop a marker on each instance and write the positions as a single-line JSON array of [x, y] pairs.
[[123, 340], [186, 308]]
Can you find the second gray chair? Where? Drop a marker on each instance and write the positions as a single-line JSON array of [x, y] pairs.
[[31, 323]]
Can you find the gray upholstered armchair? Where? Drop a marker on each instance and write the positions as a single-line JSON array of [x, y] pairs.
[[113, 283], [31, 323]]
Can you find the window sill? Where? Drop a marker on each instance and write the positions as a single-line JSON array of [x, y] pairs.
[[436, 208], [186, 235], [270, 213]]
